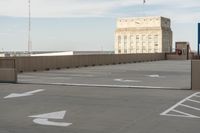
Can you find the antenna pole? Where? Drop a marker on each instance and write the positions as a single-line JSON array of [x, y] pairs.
[[29, 28], [144, 1], [143, 7], [198, 46]]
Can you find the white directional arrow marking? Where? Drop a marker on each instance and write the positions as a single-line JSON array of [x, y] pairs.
[[154, 76], [122, 80], [46, 122], [30, 93], [43, 119]]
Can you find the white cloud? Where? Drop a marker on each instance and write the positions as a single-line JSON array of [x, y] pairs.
[[179, 10], [61, 8], [3, 33]]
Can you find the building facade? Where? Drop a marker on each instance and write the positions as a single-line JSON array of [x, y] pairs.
[[143, 35]]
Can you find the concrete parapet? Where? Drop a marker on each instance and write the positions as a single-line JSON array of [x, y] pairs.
[[176, 57], [28, 64], [8, 72], [195, 75], [173, 56], [8, 75], [7, 62]]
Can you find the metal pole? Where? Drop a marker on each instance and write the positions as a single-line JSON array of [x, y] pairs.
[[198, 38], [144, 1], [29, 28]]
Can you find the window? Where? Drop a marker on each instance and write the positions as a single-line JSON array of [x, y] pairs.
[[155, 38], [149, 39], [119, 46], [131, 39], [125, 39], [125, 43], [131, 48], [119, 39], [125, 51], [143, 38], [156, 42], [137, 38]]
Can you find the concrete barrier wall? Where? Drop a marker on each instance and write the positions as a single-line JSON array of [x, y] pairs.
[[8, 75], [8, 72], [172, 56], [195, 75], [196, 57], [176, 57], [28, 64], [7, 62]]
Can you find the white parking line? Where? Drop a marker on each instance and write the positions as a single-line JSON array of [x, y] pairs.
[[81, 75], [113, 86], [197, 96], [169, 112], [183, 113], [193, 101], [190, 107]]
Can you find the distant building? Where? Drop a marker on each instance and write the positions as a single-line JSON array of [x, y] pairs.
[[143, 35], [3, 54], [182, 48], [63, 53]]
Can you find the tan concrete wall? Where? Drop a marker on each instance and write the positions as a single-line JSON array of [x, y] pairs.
[[28, 64], [196, 57], [8, 72], [8, 75], [7, 62], [176, 57], [195, 74]]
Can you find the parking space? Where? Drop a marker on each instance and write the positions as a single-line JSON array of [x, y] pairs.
[[104, 99], [188, 107]]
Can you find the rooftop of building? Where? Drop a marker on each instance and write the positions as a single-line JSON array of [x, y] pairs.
[[144, 22], [142, 17]]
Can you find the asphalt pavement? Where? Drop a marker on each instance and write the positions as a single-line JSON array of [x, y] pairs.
[[160, 74], [122, 98]]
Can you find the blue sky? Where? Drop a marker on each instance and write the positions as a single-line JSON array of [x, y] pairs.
[[87, 24]]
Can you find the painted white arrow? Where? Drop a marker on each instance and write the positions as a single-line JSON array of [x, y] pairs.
[[154, 76], [122, 80], [43, 119], [30, 93]]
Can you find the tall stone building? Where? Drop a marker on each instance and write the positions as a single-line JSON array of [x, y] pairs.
[[143, 35]]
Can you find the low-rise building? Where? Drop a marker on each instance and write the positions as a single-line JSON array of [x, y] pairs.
[[183, 47]]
